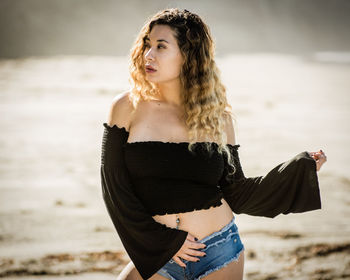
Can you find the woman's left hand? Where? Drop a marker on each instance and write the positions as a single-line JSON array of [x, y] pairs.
[[320, 158]]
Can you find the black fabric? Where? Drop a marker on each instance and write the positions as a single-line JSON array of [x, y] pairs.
[[290, 187], [149, 244], [168, 178]]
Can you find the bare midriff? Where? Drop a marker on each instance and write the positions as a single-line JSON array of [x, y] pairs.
[[199, 223]]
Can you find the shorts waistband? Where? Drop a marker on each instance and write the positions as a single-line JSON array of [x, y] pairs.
[[225, 228]]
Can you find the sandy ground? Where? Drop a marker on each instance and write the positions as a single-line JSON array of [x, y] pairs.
[[53, 222]]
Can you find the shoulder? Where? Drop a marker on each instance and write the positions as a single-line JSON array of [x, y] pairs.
[[229, 129], [120, 110]]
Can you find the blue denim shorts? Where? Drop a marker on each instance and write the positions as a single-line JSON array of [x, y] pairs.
[[223, 247]]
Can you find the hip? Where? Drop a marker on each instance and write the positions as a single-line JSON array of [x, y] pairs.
[[222, 248]]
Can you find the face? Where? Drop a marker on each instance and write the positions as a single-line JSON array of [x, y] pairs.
[[163, 54]]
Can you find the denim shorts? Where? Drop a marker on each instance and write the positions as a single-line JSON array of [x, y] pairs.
[[223, 247]]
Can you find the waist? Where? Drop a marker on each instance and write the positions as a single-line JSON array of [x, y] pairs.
[[199, 223]]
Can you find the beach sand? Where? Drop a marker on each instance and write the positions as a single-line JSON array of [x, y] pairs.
[[53, 222]]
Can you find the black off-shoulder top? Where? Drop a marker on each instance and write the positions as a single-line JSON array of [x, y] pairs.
[[168, 178], [146, 178]]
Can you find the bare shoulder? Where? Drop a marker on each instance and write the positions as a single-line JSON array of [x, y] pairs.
[[120, 111], [229, 129]]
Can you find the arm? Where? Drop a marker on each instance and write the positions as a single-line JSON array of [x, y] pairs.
[[148, 243], [290, 187]]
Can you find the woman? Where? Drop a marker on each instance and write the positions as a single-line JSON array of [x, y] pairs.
[[170, 171]]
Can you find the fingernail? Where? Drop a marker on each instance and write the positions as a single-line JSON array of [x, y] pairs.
[[196, 238]]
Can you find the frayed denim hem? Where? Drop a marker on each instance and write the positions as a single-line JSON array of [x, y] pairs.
[[165, 274], [235, 258]]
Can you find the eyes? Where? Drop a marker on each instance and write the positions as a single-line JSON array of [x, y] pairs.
[[160, 46]]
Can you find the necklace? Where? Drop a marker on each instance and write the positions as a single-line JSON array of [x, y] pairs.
[[177, 222]]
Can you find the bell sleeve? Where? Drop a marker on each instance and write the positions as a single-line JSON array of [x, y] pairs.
[[290, 187], [149, 244]]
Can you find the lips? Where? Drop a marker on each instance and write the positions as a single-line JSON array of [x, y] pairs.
[[150, 68]]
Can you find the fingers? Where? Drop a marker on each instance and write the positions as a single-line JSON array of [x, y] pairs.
[[194, 244], [320, 162], [314, 155], [320, 159], [191, 242], [178, 258], [188, 251], [190, 254], [320, 155], [178, 261], [195, 253], [191, 259], [191, 237], [324, 155]]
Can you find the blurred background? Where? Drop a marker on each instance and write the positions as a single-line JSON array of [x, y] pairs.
[[286, 68], [95, 27]]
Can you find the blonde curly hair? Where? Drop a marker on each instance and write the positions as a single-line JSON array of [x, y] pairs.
[[203, 95]]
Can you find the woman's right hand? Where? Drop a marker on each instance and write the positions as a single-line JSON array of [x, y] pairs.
[[187, 251]]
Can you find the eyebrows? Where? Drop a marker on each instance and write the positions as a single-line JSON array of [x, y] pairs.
[[159, 40]]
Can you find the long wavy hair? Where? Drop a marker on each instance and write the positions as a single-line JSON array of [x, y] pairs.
[[203, 94]]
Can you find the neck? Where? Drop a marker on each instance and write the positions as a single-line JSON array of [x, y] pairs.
[[170, 92]]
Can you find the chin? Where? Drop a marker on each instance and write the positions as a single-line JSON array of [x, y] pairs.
[[152, 80], [161, 81]]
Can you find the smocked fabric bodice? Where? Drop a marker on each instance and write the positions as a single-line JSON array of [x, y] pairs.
[[169, 178]]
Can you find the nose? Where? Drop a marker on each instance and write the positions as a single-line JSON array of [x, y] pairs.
[[149, 55]]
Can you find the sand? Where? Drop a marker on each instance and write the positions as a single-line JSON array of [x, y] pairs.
[[53, 222]]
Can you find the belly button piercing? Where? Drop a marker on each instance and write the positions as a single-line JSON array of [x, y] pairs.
[[177, 222]]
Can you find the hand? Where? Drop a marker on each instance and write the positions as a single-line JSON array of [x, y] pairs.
[[187, 251], [320, 158]]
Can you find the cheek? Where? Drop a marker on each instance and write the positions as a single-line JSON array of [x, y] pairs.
[[175, 64]]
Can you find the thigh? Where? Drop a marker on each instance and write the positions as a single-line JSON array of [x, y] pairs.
[[130, 273], [158, 277], [232, 271]]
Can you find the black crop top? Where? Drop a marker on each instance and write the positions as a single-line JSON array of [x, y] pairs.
[[168, 178], [146, 178]]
